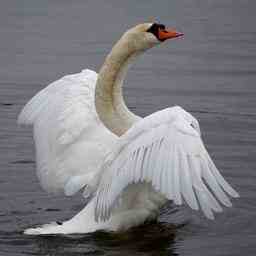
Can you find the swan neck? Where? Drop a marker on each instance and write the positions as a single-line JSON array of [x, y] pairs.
[[109, 99]]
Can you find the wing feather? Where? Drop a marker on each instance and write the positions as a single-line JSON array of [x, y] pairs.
[[186, 184], [170, 173], [164, 150], [212, 183], [176, 178], [67, 132], [226, 187]]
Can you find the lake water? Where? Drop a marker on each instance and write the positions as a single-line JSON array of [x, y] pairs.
[[211, 72]]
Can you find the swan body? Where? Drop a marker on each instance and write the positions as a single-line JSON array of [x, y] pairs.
[[87, 138]]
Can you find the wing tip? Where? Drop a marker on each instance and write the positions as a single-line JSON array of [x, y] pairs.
[[29, 113], [23, 119], [233, 193]]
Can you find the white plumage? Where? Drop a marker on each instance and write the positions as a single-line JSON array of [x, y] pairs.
[[70, 139], [166, 151], [77, 122]]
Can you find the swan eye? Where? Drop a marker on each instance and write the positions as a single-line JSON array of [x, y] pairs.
[[155, 28], [161, 27]]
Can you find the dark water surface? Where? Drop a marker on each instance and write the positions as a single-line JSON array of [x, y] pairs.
[[210, 72]]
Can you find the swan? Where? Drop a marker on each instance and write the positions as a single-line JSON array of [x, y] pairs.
[[87, 139]]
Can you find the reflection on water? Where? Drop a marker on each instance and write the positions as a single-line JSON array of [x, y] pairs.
[[149, 239]]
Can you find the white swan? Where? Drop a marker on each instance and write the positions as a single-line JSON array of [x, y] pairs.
[[87, 138]]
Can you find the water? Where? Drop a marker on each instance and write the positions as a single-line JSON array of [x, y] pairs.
[[210, 72]]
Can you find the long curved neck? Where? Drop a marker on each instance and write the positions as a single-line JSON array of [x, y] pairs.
[[109, 100]]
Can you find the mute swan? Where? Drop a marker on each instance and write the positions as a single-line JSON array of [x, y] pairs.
[[86, 138]]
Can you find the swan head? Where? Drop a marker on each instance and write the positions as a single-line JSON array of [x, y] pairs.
[[148, 35]]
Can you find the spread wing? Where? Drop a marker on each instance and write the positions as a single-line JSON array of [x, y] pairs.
[[165, 150], [70, 140]]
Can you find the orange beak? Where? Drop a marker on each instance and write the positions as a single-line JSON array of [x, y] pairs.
[[168, 34]]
